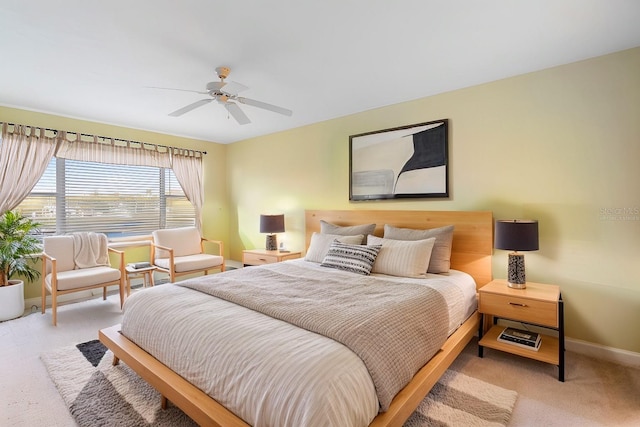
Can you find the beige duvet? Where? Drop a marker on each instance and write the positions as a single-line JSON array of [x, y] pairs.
[[267, 371]]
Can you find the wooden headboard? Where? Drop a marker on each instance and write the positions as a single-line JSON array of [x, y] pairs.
[[472, 234]]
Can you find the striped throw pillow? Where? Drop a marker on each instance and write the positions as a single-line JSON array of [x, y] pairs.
[[402, 258], [354, 258]]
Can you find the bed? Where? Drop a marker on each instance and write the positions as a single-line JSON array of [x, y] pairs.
[[470, 257]]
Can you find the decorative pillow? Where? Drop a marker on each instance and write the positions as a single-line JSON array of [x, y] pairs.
[[357, 259], [440, 256], [402, 258], [319, 245], [351, 230]]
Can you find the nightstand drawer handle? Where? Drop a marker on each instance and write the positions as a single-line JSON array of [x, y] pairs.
[[518, 304]]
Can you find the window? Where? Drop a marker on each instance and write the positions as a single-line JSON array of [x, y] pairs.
[[117, 200]]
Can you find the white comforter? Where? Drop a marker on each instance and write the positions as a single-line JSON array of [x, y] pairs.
[[266, 371]]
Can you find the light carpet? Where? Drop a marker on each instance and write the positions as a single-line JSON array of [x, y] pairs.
[[100, 394]]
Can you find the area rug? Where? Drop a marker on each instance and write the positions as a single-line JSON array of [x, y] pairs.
[[100, 394]]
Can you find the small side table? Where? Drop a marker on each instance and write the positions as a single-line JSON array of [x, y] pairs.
[[262, 256], [146, 274], [539, 304]]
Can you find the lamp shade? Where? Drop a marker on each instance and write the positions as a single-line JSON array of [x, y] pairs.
[[516, 235], [272, 223]]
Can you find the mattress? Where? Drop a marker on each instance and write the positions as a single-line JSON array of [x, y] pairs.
[[265, 370]]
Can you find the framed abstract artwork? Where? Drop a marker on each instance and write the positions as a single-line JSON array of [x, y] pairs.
[[408, 161]]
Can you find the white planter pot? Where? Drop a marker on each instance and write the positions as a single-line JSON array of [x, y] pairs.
[[12, 300]]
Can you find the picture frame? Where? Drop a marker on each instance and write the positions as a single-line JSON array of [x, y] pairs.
[[405, 162]]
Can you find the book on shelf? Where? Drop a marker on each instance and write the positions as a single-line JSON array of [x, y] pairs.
[[526, 339]]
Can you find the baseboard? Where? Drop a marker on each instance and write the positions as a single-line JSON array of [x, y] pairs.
[[611, 354], [233, 264]]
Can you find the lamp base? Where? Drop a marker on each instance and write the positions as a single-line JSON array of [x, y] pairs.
[[272, 242], [517, 285], [516, 273]]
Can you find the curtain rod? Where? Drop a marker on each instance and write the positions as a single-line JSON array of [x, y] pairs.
[[142, 144]]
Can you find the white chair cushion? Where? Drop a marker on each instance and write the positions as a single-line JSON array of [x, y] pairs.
[[191, 262], [60, 248], [184, 241], [73, 279]]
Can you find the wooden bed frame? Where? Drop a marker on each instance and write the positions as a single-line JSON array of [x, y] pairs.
[[472, 250]]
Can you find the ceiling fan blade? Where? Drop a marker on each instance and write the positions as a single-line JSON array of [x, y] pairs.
[[233, 88], [190, 107], [265, 106], [179, 90], [237, 113]]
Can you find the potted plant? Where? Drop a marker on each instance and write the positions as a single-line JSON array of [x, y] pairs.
[[17, 247]]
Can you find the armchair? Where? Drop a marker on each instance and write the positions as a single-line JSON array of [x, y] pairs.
[[180, 251], [69, 266]]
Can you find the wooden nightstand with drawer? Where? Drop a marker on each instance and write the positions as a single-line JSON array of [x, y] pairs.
[[262, 256], [538, 304]]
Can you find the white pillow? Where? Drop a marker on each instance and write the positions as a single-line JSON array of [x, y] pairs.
[[402, 258], [320, 243]]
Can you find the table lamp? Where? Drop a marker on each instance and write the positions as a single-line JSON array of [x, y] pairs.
[[516, 235], [271, 224]]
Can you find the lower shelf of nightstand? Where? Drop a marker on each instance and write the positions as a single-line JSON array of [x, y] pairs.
[[548, 351]]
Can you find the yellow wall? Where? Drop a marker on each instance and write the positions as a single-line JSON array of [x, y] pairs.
[[560, 145], [215, 209]]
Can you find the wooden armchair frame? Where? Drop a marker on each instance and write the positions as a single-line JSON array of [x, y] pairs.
[[171, 271], [54, 283]]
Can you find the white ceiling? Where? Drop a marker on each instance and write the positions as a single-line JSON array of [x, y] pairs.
[[96, 60]]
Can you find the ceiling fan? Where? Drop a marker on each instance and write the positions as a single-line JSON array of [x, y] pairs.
[[227, 95]]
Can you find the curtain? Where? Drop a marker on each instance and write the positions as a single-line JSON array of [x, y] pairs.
[[24, 155], [111, 151], [24, 158], [187, 167]]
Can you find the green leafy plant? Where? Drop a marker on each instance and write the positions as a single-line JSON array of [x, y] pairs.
[[17, 247]]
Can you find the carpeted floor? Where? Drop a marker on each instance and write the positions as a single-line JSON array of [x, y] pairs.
[[596, 393], [99, 394]]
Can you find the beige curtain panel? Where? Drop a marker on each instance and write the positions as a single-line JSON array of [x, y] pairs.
[[187, 166], [25, 153]]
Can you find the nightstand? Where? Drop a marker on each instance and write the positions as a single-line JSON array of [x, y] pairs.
[[538, 304], [262, 256]]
